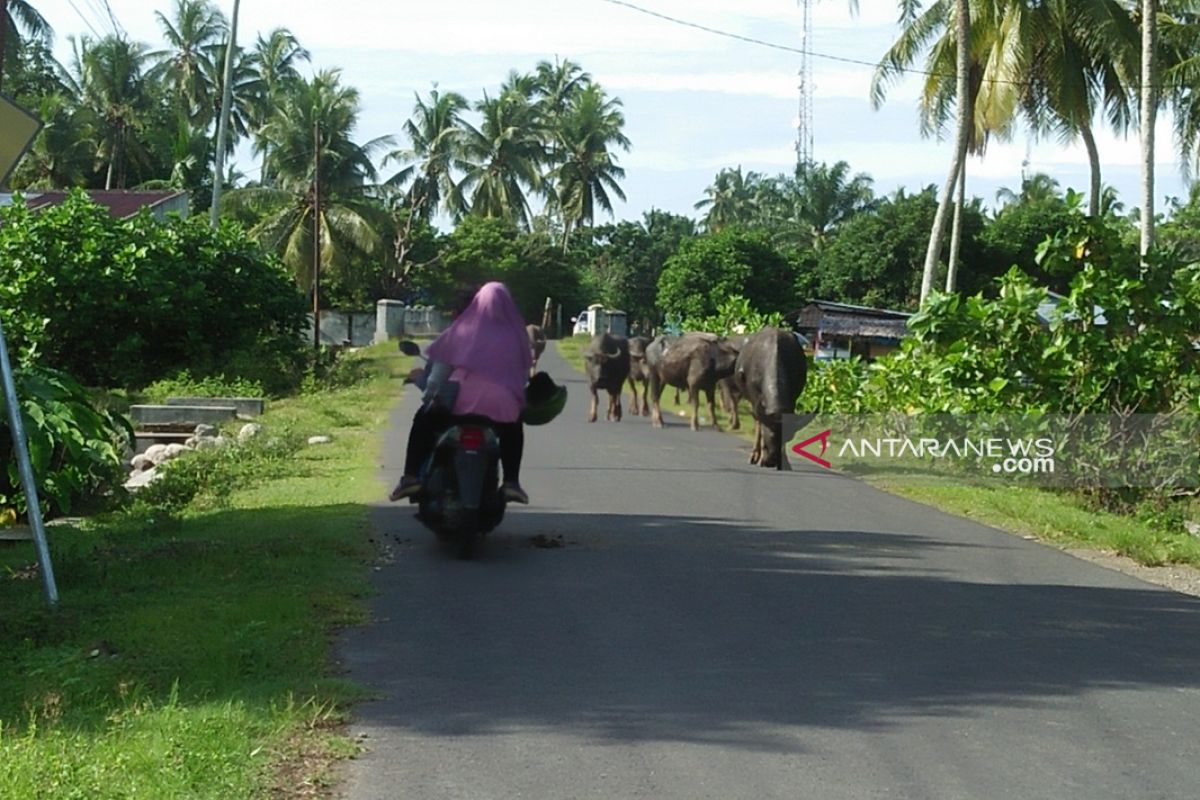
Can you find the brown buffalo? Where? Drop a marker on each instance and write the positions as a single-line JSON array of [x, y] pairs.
[[606, 362], [771, 372], [696, 362], [537, 342], [639, 371]]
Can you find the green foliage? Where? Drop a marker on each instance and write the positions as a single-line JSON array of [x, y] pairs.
[[75, 450], [709, 268], [626, 260], [184, 384], [207, 478], [128, 301], [734, 315]]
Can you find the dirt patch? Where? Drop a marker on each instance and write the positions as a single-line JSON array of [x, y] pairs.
[[1181, 578]]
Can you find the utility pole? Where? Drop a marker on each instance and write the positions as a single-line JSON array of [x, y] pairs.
[[316, 212], [223, 121]]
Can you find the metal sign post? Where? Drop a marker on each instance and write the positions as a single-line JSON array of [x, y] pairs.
[[18, 128], [26, 469]]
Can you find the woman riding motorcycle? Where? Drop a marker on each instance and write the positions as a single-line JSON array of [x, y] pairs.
[[486, 353]]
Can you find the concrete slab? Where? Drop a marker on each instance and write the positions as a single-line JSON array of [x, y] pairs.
[[246, 406], [172, 415]]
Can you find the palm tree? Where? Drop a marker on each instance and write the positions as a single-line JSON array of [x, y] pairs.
[[827, 196], [434, 132], [312, 125], [113, 88], [64, 152], [730, 199], [1149, 109], [246, 97], [277, 58], [1037, 188], [187, 63], [940, 95], [15, 16], [1084, 60], [584, 138], [502, 158]]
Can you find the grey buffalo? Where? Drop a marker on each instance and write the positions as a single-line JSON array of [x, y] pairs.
[[696, 361], [537, 342], [606, 362], [770, 373], [639, 372]]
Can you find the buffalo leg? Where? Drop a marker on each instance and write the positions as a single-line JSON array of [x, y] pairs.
[[645, 399], [633, 391], [595, 403], [694, 399], [712, 407], [656, 390], [756, 452]]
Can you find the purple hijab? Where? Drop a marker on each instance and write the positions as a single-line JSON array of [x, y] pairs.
[[488, 339]]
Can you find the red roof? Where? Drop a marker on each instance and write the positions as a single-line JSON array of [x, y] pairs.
[[120, 204]]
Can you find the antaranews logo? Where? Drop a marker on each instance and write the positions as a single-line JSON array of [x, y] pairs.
[[823, 438], [1141, 450]]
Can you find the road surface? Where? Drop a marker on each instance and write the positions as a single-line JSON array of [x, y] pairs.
[[713, 630]]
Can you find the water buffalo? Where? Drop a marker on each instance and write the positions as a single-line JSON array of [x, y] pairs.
[[639, 370], [537, 342], [771, 371], [606, 361], [695, 362], [654, 353], [731, 393]]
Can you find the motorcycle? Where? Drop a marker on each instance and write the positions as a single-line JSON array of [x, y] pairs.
[[461, 500]]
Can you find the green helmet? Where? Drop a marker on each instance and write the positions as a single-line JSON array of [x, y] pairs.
[[544, 400]]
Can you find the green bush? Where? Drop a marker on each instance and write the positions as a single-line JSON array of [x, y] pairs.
[[211, 476], [75, 450], [125, 302]]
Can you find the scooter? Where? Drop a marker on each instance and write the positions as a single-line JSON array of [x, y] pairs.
[[461, 500]]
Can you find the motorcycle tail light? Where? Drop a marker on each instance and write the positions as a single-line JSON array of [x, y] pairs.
[[470, 438]]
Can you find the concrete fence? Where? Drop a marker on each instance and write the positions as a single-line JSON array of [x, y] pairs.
[[394, 319]]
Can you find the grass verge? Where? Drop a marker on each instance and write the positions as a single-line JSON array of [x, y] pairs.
[[190, 652], [1057, 518]]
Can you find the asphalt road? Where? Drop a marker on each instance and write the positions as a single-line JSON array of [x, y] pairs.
[[712, 630]]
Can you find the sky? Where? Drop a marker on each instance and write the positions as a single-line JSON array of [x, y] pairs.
[[694, 102]]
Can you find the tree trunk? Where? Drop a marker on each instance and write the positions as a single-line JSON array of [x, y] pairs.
[[3, 39], [1149, 107], [962, 36], [956, 231], [1089, 141]]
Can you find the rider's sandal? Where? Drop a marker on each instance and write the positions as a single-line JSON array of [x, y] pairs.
[[407, 487], [513, 493]]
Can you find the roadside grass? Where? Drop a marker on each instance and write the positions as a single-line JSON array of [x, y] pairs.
[[1057, 518], [190, 653]]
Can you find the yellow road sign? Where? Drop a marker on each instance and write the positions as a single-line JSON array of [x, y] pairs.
[[17, 130]]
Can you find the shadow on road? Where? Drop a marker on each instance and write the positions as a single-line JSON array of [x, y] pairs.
[[623, 634]]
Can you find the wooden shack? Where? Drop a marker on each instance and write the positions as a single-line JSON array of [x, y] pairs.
[[841, 330]]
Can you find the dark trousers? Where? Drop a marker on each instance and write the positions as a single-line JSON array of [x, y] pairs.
[[428, 425]]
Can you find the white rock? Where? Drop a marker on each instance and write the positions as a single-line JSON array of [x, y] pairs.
[[143, 478], [211, 442], [248, 432], [203, 430], [1191, 527], [140, 463], [176, 450], [320, 439], [192, 442], [157, 453]]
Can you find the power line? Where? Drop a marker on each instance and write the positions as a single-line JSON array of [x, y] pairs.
[[112, 16], [806, 51], [86, 21]]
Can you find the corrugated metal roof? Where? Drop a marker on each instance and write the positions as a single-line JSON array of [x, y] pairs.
[[120, 204]]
